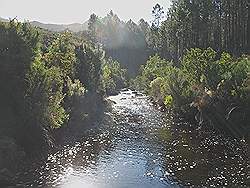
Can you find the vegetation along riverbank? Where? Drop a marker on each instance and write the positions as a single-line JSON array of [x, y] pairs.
[[48, 81], [192, 60]]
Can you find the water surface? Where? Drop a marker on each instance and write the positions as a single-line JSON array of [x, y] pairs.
[[140, 147]]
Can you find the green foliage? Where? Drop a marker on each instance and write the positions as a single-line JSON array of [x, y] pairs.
[[88, 66], [201, 73], [44, 96], [113, 76], [19, 44], [161, 79], [61, 54], [75, 88], [236, 77], [201, 66], [179, 86], [48, 83], [155, 67], [155, 88], [50, 73], [212, 74], [30, 87], [168, 100]]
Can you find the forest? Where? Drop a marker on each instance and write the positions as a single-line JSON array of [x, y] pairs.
[[192, 60]]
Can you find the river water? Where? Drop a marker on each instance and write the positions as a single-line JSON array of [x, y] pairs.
[[138, 146]]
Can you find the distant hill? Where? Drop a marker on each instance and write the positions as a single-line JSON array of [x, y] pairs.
[[3, 20], [74, 27]]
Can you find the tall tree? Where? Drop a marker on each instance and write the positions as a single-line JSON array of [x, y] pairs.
[[248, 26], [157, 13], [220, 24], [92, 27]]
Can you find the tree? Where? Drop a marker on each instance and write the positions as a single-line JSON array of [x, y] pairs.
[[88, 67], [113, 76], [158, 15], [92, 27], [248, 26], [219, 24]]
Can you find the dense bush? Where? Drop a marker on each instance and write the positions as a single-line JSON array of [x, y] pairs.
[[113, 77], [164, 82], [203, 76], [88, 66], [19, 45], [43, 78]]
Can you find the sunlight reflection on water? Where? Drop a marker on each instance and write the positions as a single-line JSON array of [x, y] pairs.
[[140, 148]]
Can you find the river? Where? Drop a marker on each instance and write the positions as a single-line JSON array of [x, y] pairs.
[[138, 146]]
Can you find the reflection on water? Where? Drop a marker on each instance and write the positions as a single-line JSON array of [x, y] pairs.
[[141, 148]]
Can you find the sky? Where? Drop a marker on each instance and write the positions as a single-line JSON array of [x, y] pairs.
[[77, 11]]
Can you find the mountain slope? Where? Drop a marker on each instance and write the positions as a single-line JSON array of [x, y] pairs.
[[74, 27], [3, 20]]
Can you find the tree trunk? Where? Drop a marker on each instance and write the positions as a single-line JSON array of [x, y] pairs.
[[248, 27]]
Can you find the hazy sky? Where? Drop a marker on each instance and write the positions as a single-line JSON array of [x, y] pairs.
[[70, 11]]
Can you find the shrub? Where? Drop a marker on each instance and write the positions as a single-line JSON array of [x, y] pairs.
[[113, 76]]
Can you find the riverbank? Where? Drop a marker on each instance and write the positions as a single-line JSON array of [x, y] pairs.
[[142, 147], [212, 118], [207, 88]]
